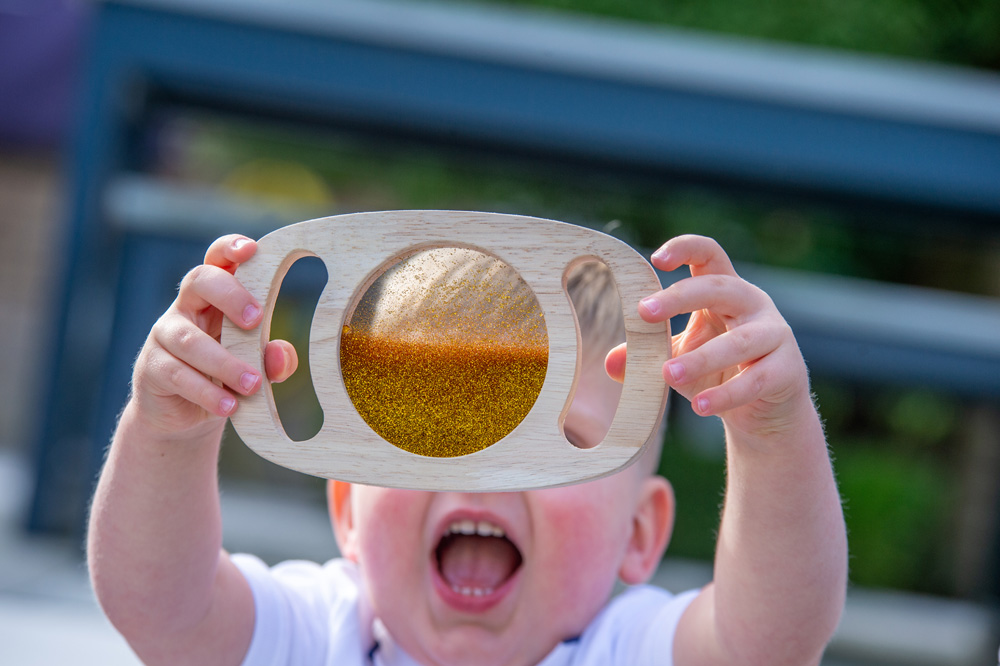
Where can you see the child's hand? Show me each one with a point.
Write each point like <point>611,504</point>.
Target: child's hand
<point>183,377</point>
<point>737,357</point>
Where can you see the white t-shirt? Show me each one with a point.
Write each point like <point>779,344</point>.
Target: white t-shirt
<point>308,613</point>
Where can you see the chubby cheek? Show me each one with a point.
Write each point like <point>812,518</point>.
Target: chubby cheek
<point>389,548</point>
<point>580,549</point>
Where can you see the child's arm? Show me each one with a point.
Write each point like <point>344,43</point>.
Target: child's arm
<point>154,543</point>
<point>781,558</point>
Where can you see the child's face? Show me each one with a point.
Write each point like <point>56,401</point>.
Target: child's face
<point>448,597</point>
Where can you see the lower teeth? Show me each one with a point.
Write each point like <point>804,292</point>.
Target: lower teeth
<point>472,591</point>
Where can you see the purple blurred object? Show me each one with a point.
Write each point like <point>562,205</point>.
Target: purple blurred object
<point>41,53</point>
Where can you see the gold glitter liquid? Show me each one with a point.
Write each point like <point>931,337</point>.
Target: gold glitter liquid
<point>440,398</point>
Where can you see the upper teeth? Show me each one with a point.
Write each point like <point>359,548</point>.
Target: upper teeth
<point>482,528</point>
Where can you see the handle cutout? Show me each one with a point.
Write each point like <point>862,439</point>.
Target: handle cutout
<point>445,353</point>
<point>295,399</point>
<point>595,300</point>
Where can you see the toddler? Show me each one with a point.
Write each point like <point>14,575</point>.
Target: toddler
<point>489,578</point>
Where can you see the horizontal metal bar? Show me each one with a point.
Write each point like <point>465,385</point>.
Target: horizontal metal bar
<point>670,104</point>
<point>842,81</point>
<point>847,327</point>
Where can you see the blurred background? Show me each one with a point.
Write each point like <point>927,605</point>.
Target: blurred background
<point>846,155</point>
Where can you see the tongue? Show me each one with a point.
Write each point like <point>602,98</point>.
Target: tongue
<point>477,562</point>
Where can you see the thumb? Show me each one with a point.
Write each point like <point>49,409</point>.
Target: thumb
<point>614,363</point>
<point>280,360</point>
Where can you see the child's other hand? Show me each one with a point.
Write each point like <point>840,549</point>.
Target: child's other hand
<point>737,358</point>
<point>183,377</point>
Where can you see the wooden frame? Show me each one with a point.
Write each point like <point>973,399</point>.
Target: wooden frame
<point>356,248</point>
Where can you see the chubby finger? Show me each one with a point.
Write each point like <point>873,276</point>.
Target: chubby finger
<point>766,379</point>
<point>704,255</point>
<point>280,360</point>
<point>197,349</point>
<point>724,295</point>
<point>230,251</point>
<point>208,286</point>
<point>614,363</point>
<point>734,348</point>
<point>171,376</point>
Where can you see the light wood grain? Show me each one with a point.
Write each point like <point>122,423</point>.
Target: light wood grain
<point>356,248</point>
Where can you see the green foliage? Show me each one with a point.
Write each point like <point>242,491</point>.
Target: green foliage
<point>921,417</point>
<point>699,485</point>
<point>891,453</point>
<point>896,507</point>
<point>953,31</point>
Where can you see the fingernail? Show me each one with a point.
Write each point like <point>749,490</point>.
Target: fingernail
<point>660,255</point>
<point>227,405</point>
<point>248,380</point>
<point>240,243</point>
<point>651,305</point>
<point>676,370</point>
<point>702,405</point>
<point>250,313</point>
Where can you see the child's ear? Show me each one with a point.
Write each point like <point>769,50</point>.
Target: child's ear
<point>652,525</point>
<point>338,499</point>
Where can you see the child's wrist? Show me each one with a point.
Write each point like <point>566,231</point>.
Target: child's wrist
<point>774,428</point>
<point>145,427</point>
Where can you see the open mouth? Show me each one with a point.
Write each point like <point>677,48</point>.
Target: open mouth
<point>475,558</point>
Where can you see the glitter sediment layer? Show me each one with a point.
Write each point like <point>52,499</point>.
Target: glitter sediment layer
<point>444,397</point>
